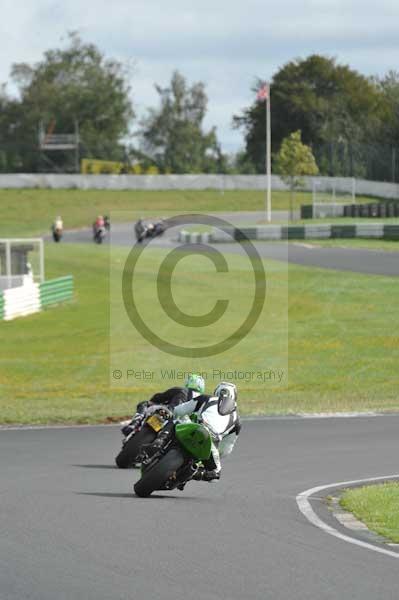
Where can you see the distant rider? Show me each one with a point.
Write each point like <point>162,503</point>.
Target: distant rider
<point>140,230</point>
<point>99,222</point>
<point>194,386</point>
<point>58,225</point>
<point>98,226</point>
<point>148,230</point>
<point>57,228</point>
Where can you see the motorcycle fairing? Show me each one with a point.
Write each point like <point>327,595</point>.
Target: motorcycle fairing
<point>195,439</point>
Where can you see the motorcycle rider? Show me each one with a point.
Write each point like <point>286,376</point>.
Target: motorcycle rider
<point>98,225</point>
<point>140,230</point>
<point>194,386</point>
<point>148,230</point>
<point>57,226</point>
<point>220,415</point>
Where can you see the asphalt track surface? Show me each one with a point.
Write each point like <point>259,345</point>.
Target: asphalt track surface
<point>359,260</point>
<point>71,527</point>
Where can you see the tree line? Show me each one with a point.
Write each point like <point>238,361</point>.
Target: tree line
<point>350,122</point>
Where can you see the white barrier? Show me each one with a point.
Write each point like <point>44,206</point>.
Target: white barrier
<point>191,182</point>
<point>334,210</point>
<point>317,231</point>
<point>294,232</point>
<point>219,235</point>
<point>32,297</point>
<point>271,232</point>
<point>370,230</point>
<point>21,301</point>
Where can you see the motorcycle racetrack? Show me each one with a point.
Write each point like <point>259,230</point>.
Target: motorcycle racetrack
<point>72,527</point>
<point>359,260</point>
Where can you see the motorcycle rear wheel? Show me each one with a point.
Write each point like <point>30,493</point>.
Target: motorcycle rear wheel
<point>129,453</point>
<point>155,478</point>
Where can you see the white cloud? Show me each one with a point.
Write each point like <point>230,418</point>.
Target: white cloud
<point>225,44</point>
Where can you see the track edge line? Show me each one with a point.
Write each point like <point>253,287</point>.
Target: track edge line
<point>303,503</point>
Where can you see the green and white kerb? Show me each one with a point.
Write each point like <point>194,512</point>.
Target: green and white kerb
<point>33,297</point>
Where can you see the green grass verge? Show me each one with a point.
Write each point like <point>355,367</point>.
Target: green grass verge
<point>343,347</point>
<point>345,221</point>
<point>377,506</point>
<point>30,212</point>
<point>370,244</point>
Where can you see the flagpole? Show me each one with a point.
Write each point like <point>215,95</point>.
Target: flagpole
<point>268,159</point>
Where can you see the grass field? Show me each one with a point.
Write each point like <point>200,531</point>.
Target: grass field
<point>347,221</point>
<point>30,212</point>
<point>377,506</point>
<point>387,245</point>
<point>343,348</point>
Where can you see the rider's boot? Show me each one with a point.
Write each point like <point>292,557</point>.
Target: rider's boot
<point>204,475</point>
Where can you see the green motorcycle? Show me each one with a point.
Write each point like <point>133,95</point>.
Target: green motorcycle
<point>177,461</point>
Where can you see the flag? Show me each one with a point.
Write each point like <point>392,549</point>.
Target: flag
<point>263,92</point>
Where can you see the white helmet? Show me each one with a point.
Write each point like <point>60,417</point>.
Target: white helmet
<point>227,394</point>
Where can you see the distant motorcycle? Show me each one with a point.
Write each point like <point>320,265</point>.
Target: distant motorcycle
<point>142,430</point>
<point>57,234</point>
<point>99,235</point>
<point>107,223</point>
<point>181,456</point>
<point>149,230</point>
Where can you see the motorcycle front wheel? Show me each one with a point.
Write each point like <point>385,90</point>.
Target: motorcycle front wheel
<point>157,476</point>
<point>130,450</point>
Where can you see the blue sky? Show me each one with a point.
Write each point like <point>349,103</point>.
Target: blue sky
<point>226,44</point>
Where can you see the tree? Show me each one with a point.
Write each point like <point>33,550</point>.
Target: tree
<point>172,134</point>
<point>295,160</point>
<point>389,86</point>
<point>13,147</point>
<point>73,85</point>
<point>241,164</point>
<point>389,130</point>
<point>327,102</point>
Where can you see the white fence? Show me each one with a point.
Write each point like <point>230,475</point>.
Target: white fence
<point>21,301</point>
<point>191,182</point>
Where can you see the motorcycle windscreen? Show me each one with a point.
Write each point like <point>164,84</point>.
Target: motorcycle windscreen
<point>195,439</point>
